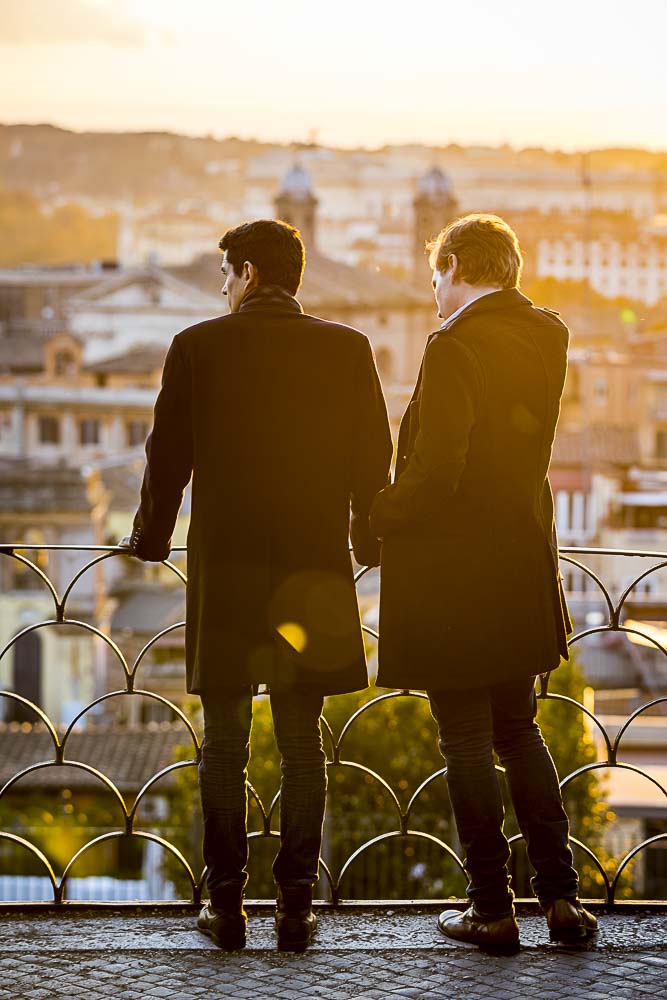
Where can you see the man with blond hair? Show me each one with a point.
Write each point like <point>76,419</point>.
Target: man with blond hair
<point>471,605</point>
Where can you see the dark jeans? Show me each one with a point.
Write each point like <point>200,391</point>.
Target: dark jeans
<point>472,724</point>
<point>222,783</point>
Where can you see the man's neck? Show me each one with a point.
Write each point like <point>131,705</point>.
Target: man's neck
<point>474,292</point>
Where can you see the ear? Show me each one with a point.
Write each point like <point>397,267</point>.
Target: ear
<point>250,274</point>
<point>453,264</point>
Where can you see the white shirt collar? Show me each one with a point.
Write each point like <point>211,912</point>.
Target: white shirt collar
<point>458,312</point>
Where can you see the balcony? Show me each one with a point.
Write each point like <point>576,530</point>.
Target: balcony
<point>99,807</point>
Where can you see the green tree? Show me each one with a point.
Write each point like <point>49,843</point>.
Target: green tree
<point>395,740</point>
<point>568,734</point>
<point>69,233</point>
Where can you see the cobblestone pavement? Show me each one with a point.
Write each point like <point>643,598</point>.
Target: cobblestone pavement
<point>362,954</point>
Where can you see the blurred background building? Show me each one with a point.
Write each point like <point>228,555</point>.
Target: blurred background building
<point>117,263</point>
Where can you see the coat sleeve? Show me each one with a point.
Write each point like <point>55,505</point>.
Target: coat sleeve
<point>371,457</point>
<point>169,456</point>
<point>449,401</point>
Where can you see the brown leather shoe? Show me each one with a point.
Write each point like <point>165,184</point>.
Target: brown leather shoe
<point>226,927</point>
<point>295,920</point>
<point>568,921</point>
<point>496,934</point>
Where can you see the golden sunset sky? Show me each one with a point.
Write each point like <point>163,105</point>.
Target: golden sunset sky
<point>572,74</point>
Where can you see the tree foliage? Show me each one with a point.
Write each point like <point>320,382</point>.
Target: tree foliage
<point>393,742</point>
<point>31,235</point>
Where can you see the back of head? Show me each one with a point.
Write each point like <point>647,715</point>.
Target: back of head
<point>486,248</point>
<point>275,248</point>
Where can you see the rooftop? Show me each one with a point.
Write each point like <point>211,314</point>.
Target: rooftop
<point>26,487</point>
<point>596,445</point>
<point>128,755</point>
<point>20,355</point>
<point>143,359</point>
<point>327,284</point>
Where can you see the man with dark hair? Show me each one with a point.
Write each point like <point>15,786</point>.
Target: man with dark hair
<point>275,248</point>
<point>471,606</point>
<point>280,419</point>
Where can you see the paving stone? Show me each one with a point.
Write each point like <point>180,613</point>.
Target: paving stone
<point>369,955</point>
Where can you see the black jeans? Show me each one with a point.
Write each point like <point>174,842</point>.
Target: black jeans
<point>472,724</point>
<point>222,783</point>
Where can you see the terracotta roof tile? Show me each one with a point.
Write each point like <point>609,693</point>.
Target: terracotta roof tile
<point>327,284</point>
<point>129,756</point>
<point>596,446</point>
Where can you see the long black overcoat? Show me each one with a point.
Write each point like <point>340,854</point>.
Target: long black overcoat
<point>281,421</point>
<point>470,591</point>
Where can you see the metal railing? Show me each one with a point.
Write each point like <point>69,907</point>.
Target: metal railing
<point>406,825</point>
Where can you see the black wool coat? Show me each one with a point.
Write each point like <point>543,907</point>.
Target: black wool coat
<point>281,421</point>
<point>470,590</point>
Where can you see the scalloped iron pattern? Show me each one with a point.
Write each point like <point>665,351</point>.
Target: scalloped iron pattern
<point>403,828</point>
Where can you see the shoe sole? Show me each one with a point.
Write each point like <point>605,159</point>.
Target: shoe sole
<point>489,949</point>
<point>293,945</point>
<point>233,944</point>
<point>287,943</point>
<point>573,935</point>
<point>492,949</point>
<point>511,948</point>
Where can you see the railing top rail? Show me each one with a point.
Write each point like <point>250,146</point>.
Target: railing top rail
<point>10,546</point>
<point>563,549</point>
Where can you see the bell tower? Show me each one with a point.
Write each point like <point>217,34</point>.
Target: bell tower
<point>434,206</point>
<point>295,203</point>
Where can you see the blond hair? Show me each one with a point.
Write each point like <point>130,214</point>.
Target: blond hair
<point>486,248</point>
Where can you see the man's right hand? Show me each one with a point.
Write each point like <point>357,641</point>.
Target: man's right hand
<point>365,547</point>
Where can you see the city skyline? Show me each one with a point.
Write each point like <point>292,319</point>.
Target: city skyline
<point>369,75</point>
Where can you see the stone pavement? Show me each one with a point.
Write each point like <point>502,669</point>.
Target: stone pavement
<point>358,953</point>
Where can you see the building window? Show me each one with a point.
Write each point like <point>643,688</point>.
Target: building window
<point>48,430</point>
<point>64,363</point>
<point>89,432</point>
<point>137,432</point>
<point>6,426</point>
<point>27,677</point>
<point>600,390</point>
<point>661,444</point>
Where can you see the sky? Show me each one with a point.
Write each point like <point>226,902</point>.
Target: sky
<point>568,75</point>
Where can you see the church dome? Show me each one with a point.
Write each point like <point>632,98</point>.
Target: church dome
<point>297,183</point>
<point>435,184</point>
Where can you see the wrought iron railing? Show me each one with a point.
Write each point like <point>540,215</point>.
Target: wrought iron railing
<point>424,836</point>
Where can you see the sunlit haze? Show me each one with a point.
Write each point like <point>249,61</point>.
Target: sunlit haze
<point>569,75</point>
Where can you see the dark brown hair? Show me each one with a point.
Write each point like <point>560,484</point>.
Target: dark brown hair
<point>486,248</point>
<point>275,248</point>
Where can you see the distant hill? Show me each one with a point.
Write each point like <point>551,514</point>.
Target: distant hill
<point>105,165</point>
<point>52,162</point>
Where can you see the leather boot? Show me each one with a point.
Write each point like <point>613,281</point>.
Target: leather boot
<point>225,924</point>
<point>499,934</point>
<point>568,921</point>
<point>295,920</point>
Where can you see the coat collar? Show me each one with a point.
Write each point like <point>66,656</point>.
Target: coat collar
<point>506,298</point>
<point>270,298</point>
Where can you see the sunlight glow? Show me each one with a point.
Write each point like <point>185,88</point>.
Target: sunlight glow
<point>357,73</point>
